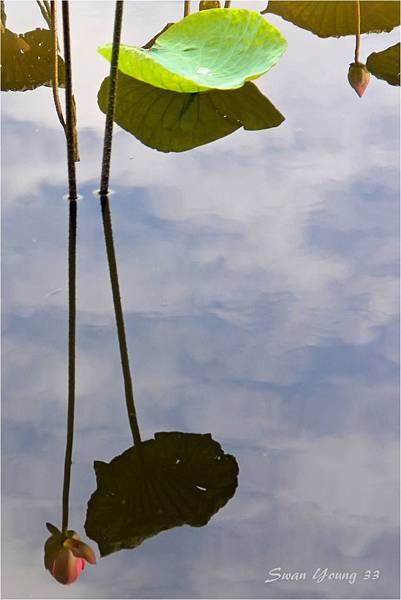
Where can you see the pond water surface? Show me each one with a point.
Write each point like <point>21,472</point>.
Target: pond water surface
<point>259,278</point>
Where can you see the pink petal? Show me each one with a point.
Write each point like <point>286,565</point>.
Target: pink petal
<point>66,568</point>
<point>83,563</point>
<point>360,88</point>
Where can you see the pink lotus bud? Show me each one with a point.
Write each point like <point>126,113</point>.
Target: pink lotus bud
<point>65,555</point>
<point>358,77</point>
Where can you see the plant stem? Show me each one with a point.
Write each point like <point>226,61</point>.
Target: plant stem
<point>45,12</point>
<point>358,31</point>
<point>72,242</point>
<point>56,97</point>
<point>187,7</point>
<point>72,196</point>
<point>69,104</point>
<point>108,133</point>
<point>227,4</point>
<point>122,340</point>
<point>3,17</point>
<point>70,112</point>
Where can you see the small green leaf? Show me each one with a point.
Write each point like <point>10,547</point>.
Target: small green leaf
<point>211,49</point>
<point>174,122</point>
<point>335,18</point>
<point>53,529</point>
<point>386,64</point>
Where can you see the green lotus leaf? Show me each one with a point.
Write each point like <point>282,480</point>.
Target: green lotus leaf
<point>335,18</point>
<point>211,49</point>
<point>173,122</point>
<point>26,60</point>
<point>172,480</point>
<point>386,64</point>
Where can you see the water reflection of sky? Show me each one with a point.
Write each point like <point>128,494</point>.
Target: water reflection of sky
<point>259,277</point>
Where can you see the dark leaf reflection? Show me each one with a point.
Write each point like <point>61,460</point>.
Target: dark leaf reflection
<point>171,480</point>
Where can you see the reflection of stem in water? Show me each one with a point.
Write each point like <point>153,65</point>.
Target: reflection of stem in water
<point>104,179</point>
<point>187,7</point>
<point>72,242</point>
<point>358,30</point>
<point>108,233</point>
<point>72,196</point>
<point>111,257</point>
<point>53,29</point>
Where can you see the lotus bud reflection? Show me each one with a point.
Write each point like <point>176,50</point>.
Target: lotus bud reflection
<point>66,555</point>
<point>358,77</point>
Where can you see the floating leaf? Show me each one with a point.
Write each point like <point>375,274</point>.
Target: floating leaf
<point>174,122</point>
<point>26,60</point>
<point>328,18</point>
<point>172,480</point>
<point>211,49</point>
<point>386,64</point>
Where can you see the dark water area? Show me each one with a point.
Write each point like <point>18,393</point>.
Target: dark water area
<point>259,278</point>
